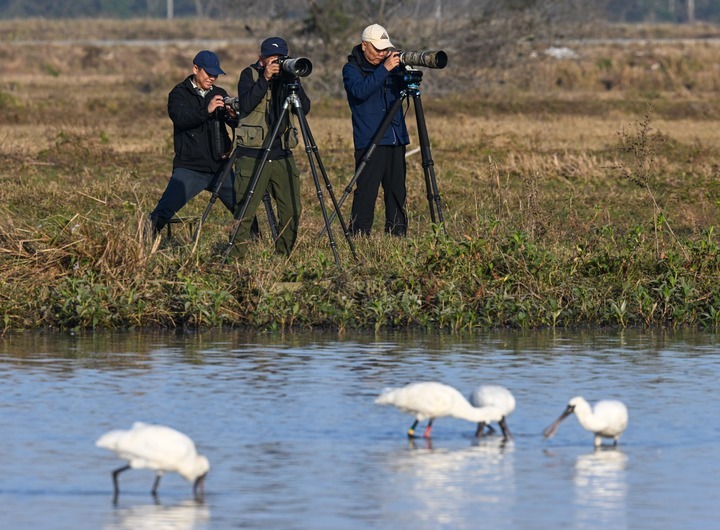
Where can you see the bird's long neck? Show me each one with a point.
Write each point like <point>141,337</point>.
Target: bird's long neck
<point>586,418</point>
<point>477,414</point>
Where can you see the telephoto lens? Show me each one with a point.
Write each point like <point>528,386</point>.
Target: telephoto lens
<point>298,67</point>
<point>428,59</point>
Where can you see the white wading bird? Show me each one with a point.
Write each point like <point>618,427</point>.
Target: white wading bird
<point>159,448</point>
<point>608,419</point>
<point>493,396</point>
<point>430,400</point>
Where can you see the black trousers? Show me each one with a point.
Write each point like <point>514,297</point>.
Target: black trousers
<point>386,166</point>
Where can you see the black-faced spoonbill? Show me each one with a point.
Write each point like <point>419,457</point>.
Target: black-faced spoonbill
<point>607,419</point>
<point>159,448</point>
<point>430,400</point>
<point>493,396</point>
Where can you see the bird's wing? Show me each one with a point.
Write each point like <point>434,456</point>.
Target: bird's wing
<point>494,396</point>
<point>430,399</point>
<point>615,414</point>
<point>152,446</point>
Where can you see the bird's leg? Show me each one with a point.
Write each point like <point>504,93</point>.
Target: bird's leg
<point>507,435</point>
<point>490,429</point>
<point>116,488</point>
<point>480,428</point>
<point>411,430</point>
<point>156,484</point>
<point>428,429</point>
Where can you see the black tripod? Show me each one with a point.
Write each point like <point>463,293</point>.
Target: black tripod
<point>311,149</point>
<point>272,221</point>
<point>411,80</point>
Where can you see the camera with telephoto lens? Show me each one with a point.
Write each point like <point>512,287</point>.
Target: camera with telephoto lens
<point>294,67</point>
<point>428,59</point>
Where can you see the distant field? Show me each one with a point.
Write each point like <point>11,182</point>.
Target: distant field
<point>589,162</point>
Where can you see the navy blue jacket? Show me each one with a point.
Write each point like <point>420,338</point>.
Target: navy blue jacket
<point>371,91</point>
<point>194,138</point>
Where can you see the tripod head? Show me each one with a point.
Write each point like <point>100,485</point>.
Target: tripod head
<point>410,80</point>
<point>292,86</point>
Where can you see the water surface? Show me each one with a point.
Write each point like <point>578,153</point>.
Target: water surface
<point>295,441</point>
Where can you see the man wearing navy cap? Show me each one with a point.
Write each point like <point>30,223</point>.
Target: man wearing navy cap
<point>262,92</point>
<point>202,143</point>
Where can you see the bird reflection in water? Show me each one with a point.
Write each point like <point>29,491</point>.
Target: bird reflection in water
<point>445,484</point>
<point>600,485</point>
<point>186,515</point>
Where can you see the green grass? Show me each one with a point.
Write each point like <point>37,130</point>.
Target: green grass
<point>564,207</point>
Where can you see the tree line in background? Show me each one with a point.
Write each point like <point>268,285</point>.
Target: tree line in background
<point>632,11</point>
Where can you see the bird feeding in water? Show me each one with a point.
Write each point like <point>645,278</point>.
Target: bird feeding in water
<point>607,419</point>
<point>159,448</point>
<point>430,400</point>
<point>493,396</point>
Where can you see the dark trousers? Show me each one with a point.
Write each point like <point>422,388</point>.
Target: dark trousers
<point>386,166</point>
<point>185,184</point>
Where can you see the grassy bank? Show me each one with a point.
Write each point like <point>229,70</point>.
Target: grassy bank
<point>576,192</point>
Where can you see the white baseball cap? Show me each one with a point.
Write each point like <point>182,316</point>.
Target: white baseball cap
<point>376,35</point>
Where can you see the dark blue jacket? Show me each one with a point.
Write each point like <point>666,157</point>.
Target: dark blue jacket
<point>371,92</point>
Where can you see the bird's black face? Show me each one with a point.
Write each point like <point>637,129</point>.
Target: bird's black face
<point>569,410</point>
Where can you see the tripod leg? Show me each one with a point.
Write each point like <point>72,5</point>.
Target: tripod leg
<point>216,192</point>
<point>427,162</point>
<point>305,130</point>
<point>329,188</point>
<point>272,220</point>
<point>240,213</point>
<point>367,154</point>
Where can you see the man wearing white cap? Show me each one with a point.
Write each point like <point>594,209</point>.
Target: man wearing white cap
<point>372,83</point>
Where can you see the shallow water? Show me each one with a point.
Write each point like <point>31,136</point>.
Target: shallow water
<point>295,441</point>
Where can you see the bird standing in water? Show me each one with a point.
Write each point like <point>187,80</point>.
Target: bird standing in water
<point>159,448</point>
<point>430,400</point>
<point>607,419</point>
<point>493,396</point>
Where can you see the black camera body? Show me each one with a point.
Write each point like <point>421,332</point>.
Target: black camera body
<point>233,103</point>
<point>294,67</point>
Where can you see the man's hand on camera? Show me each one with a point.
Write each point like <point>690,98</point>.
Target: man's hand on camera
<point>392,61</point>
<point>215,103</point>
<point>271,69</point>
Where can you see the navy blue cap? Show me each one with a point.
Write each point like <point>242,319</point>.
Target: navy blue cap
<point>273,46</point>
<point>209,62</point>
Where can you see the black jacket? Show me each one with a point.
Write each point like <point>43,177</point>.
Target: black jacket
<point>201,139</point>
<point>251,92</point>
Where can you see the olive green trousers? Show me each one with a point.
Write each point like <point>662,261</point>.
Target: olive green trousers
<point>281,179</point>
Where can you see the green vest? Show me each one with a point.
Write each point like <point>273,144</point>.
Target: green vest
<point>254,128</point>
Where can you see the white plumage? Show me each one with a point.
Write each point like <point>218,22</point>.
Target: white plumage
<point>494,396</point>
<point>430,400</point>
<point>607,419</point>
<point>159,448</point>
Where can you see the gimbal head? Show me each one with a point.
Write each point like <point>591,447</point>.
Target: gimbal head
<point>411,79</point>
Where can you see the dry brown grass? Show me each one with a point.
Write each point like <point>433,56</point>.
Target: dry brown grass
<point>86,149</point>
